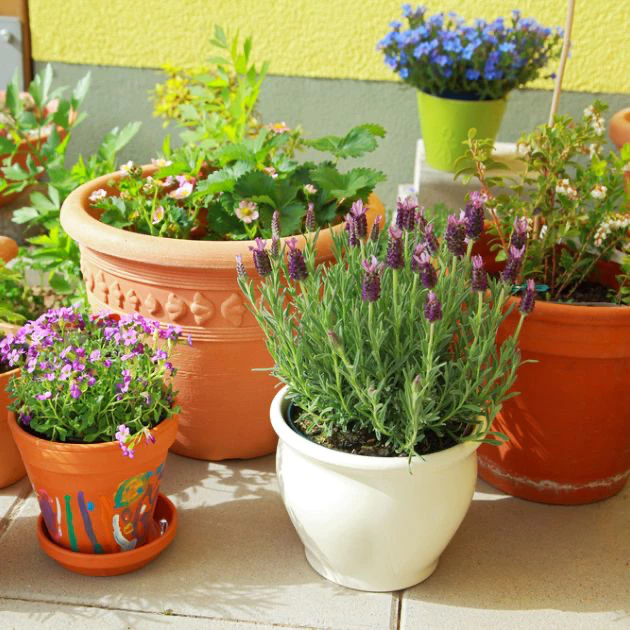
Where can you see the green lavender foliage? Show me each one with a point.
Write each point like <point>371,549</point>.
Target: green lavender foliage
<point>381,365</point>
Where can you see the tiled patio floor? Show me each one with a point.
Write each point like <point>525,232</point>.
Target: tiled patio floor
<point>237,564</point>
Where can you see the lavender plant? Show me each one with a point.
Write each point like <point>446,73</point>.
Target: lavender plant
<point>568,197</point>
<point>91,378</point>
<point>391,350</point>
<point>443,55</point>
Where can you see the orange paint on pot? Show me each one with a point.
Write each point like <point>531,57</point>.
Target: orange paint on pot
<point>569,430</point>
<point>11,466</point>
<point>224,402</point>
<point>90,494</point>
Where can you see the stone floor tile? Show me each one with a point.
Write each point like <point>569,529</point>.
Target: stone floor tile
<point>236,556</point>
<point>10,499</point>
<point>517,564</point>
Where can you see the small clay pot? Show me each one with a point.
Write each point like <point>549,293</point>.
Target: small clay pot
<point>93,499</point>
<point>619,128</point>
<point>8,249</point>
<point>11,466</point>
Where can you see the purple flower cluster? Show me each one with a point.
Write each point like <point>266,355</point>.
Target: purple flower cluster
<point>296,264</point>
<point>455,234</point>
<point>443,55</point>
<point>261,258</point>
<point>77,366</point>
<point>371,286</point>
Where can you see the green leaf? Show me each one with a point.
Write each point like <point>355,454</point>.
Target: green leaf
<point>81,89</point>
<point>356,143</point>
<point>25,215</point>
<point>262,188</point>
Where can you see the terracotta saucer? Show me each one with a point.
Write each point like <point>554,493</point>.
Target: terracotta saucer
<point>165,517</point>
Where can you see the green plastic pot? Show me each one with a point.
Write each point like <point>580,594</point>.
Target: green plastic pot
<point>445,123</point>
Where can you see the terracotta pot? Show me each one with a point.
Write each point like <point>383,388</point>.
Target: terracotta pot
<point>619,128</point>
<point>8,249</point>
<point>11,466</point>
<point>569,441</point>
<point>224,403</point>
<point>28,147</point>
<point>92,498</point>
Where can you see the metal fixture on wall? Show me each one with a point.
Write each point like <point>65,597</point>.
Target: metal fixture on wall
<point>15,42</point>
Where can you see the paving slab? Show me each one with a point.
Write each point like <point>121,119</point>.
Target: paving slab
<point>27,615</point>
<point>518,564</point>
<point>236,557</point>
<point>10,501</point>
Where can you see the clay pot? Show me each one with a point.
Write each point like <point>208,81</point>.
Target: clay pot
<point>569,441</point>
<point>11,466</point>
<point>224,403</point>
<point>8,249</point>
<point>619,128</point>
<point>27,147</point>
<point>92,498</point>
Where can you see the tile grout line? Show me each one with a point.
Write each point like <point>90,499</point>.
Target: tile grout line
<point>14,510</point>
<point>396,609</point>
<point>160,614</point>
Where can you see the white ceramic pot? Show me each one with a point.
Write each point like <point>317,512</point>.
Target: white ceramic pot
<point>372,523</point>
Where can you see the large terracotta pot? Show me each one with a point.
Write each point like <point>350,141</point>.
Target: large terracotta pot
<point>92,498</point>
<point>569,430</point>
<point>224,403</point>
<point>11,466</point>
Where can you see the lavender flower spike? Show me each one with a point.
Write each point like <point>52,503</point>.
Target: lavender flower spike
<point>431,240</point>
<point>474,221</point>
<point>456,234</point>
<point>528,300</point>
<point>275,224</point>
<point>371,287</point>
<point>519,233</point>
<point>359,212</point>
<point>309,222</point>
<point>418,250</point>
<point>297,264</point>
<point>395,259</point>
<point>351,229</point>
<point>261,258</point>
<point>513,264</point>
<point>432,308</point>
<point>376,228</point>
<point>406,213</point>
<point>241,272</point>
<point>479,276</point>
<point>428,275</point>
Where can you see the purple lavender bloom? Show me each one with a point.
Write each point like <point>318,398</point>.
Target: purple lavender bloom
<point>418,250</point>
<point>241,272</point>
<point>406,213</point>
<point>296,263</point>
<point>359,213</point>
<point>479,276</point>
<point>431,240</point>
<point>528,299</point>
<point>420,219</point>
<point>474,221</point>
<point>274,250</point>
<point>456,234</point>
<point>478,199</point>
<point>519,233</point>
<point>376,228</point>
<point>395,259</point>
<point>261,258</point>
<point>428,275</point>
<point>432,308</point>
<point>310,223</point>
<point>371,286</point>
<point>513,264</point>
<point>351,229</point>
<point>275,224</point>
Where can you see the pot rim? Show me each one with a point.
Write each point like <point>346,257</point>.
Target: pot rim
<point>575,314</point>
<point>92,233</point>
<point>464,100</point>
<point>320,453</point>
<point>166,426</point>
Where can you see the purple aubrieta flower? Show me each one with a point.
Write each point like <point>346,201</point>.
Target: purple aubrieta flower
<point>95,356</point>
<point>371,286</point>
<point>479,276</point>
<point>395,258</point>
<point>261,258</point>
<point>296,264</point>
<point>513,265</point>
<point>44,396</point>
<point>75,390</point>
<point>359,213</point>
<point>528,299</point>
<point>455,234</point>
<point>432,308</point>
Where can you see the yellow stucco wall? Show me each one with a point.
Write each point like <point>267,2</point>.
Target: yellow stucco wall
<point>312,38</point>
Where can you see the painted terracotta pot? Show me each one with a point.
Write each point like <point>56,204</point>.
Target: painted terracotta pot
<point>569,441</point>
<point>224,403</point>
<point>11,466</point>
<point>92,498</point>
<point>28,147</point>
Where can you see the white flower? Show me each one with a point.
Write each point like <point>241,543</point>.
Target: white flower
<point>309,189</point>
<point>614,223</point>
<point>247,211</point>
<point>97,195</point>
<point>161,162</point>
<point>564,187</point>
<point>271,171</point>
<point>182,192</point>
<point>543,232</point>
<point>593,150</point>
<point>599,191</point>
<point>158,215</point>
<point>125,169</point>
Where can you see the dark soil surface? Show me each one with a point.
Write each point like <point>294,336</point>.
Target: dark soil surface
<point>589,292</point>
<point>363,441</point>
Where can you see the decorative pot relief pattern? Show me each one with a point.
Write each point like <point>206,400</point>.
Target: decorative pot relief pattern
<point>153,306</point>
<point>116,297</point>
<point>175,307</point>
<point>202,309</point>
<point>233,310</point>
<point>133,300</point>
<point>101,287</point>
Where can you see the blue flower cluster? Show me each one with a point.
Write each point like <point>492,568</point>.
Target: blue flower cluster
<point>445,56</point>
